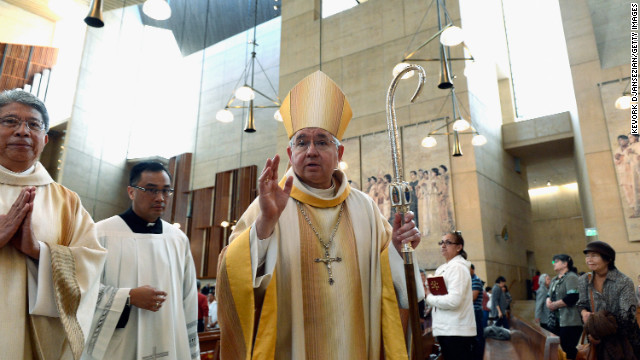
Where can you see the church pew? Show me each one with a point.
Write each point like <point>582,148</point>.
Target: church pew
<point>528,342</point>
<point>209,344</point>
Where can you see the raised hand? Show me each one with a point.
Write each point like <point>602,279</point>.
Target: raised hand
<point>273,199</point>
<point>407,233</point>
<point>10,222</point>
<point>147,297</point>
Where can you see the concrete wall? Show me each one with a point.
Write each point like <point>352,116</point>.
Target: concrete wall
<point>127,94</point>
<point>359,48</point>
<point>225,146</point>
<point>587,71</point>
<point>557,227</point>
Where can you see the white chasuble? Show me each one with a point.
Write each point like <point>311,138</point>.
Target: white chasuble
<point>285,279</point>
<point>162,261</point>
<point>47,305</point>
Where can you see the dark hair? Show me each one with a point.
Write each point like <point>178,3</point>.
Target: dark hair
<point>566,258</point>
<point>20,96</point>
<point>624,137</point>
<point>413,172</point>
<point>443,168</point>
<point>138,169</point>
<point>388,177</point>
<point>488,289</point>
<point>435,170</point>
<point>538,272</point>
<point>198,284</point>
<point>460,241</point>
<point>501,279</point>
<point>473,267</point>
<point>374,178</point>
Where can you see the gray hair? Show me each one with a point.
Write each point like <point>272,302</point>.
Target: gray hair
<point>542,281</point>
<point>20,96</point>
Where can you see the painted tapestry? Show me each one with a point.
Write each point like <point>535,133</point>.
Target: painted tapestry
<point>625,149</point>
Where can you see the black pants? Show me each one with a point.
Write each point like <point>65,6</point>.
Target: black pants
<point>200,325</point>
<point>569,337</point>
<point>479,348</point>
<point>457,347</point>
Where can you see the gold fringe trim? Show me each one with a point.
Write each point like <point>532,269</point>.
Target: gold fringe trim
<point>67,295</point>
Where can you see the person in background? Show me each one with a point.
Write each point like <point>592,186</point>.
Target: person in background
<point>453,317</point>
<point>486,306</point>
<point>638,291</point>
<point>499,303</point>
<point>476,292</point>
<point>509,298</point>
<point>564,316</point>
<point>203,308</point>
<point>535,284</point>
<point>148,303</point>
<point>613,293</point>
<point>542,311</point>
<point>213,310</point>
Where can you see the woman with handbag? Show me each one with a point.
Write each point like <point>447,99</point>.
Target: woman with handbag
<point>608,296</point>
<point>563,295</point>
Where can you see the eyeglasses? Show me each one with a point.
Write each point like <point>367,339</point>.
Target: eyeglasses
<point>447,242</point>
<point>155,192</point>
<point>13,123</point>
<point>320,145</point>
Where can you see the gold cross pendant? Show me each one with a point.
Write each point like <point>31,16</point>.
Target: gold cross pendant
<point>327,260</point>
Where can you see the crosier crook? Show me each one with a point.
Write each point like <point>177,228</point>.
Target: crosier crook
<point>400,197</point>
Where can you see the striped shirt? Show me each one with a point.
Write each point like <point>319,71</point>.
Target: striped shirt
<point>476,284</point>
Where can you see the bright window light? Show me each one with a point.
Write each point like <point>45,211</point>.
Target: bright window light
<point>540,70</point>
<point>332,7</point>
<point>543,191</point>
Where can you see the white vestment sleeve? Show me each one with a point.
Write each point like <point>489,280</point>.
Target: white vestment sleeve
<point>190,304</point>
<point>399,280</point>
<point>41,299</point>
<point>263,253</point>
<point>111,303</point>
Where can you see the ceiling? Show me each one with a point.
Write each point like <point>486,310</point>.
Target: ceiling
<point>198,24</point>
<point>41,7</point>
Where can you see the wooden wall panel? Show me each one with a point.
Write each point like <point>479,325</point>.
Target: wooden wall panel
<point>220,213</point>
<point>201,214</point>
<point>168,214</point>
<point>18,63</point>
<point>181,196</point>
<point>244,189</point>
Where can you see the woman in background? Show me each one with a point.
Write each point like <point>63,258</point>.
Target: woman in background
<point>454,323</point>
<point>614,323</point>
<point>563,295</point>
<point>542,311</point>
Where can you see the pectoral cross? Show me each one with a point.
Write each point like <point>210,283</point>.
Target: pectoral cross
<point>155,355</point>
<point>327,260</point>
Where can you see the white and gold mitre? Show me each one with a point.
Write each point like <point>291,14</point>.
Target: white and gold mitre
<point>316,101</point>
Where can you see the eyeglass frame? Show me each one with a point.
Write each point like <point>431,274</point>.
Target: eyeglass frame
<point>447,243</point>
<point>154,192</point>
<point>294,146</point>
<point>20,122</point>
